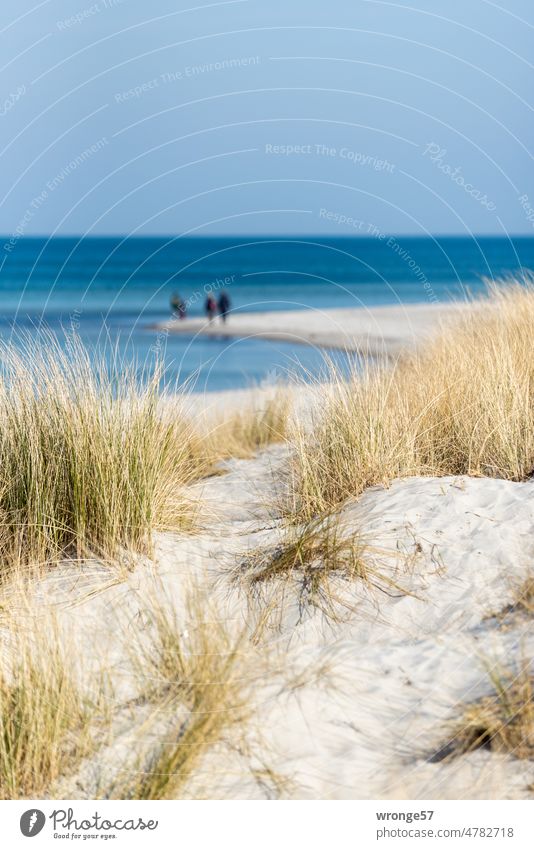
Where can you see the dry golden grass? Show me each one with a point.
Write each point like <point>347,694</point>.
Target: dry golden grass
<point>195,680</point>
<point>524,596</point>
<point>87,465</point>
<point>310,556</point>
<point>522,601</point>
<point>502,722</point>
<point>262,421</point>
<point>93,457</point>
<point>317,563</point>
<point>45,720</point>
<point>463,404</point>
<point>193,686</point>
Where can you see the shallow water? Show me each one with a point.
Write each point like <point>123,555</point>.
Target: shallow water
<point>114,289</point>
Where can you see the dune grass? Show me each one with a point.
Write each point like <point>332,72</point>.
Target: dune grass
<point>45,720</point>
<point>463,404</point>
<point>191,686</point>
<point>522,602</point>
<point>318,564</point>
<point>87,464</point>
<point>501,722</point>
<point>241,433</point>
<point>93,457</point>
<point>524,596</point>
<point>309,557</point>
<point>195,681</point>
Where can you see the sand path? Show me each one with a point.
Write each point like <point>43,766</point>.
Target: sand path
<point>355,709</point>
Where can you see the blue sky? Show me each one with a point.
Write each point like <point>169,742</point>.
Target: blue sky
<point>267,117</point>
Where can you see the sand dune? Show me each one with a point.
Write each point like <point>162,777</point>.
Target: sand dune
<point>376,693</point>
<point>330,682</point>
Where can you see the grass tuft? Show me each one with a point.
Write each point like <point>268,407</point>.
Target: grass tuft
<point>44,718</point>
<point>524,596</point>
<point>87,464</point>
<point>243,433</point>
<point>194,679</point>
<point>462,404</point>
<point>502,722</point>
<point>313,558</point>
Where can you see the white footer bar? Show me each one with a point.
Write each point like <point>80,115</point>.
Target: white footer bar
<point>270,825</point>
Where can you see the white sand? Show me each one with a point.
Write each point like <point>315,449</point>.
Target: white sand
<point>356,709</point>
<point>375,330</point>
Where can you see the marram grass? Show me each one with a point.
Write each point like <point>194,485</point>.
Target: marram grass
<point>261,421</point>
<point>87,464</point>
<point>45,720</point>
<point>196,677</point>
<point>501,722</point>
<point>462,404</point>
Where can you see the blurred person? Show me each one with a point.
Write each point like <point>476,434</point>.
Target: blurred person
<point>210,307</point>
<point>224,305</point>
<point>178,306</point>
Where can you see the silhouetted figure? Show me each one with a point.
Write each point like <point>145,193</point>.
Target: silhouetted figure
<point>224,305</point>
<point>178,306</point>
<point>211,307</point>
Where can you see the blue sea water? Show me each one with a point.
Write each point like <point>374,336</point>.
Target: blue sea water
<point>110,289</point>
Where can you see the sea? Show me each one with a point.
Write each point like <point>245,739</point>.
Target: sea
<point>113,291</point>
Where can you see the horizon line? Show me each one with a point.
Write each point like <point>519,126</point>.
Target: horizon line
<point>281,236</point>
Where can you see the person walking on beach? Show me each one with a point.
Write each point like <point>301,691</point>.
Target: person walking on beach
<point>178,306</point>
<point>224,305</point>
<point>210,307</point>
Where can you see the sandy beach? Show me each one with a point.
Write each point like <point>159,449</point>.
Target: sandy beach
<point>384,330</point>
<point>367,664</point>
<point>267,423</point>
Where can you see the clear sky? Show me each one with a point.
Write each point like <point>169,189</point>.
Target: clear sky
<point>267,116</point>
